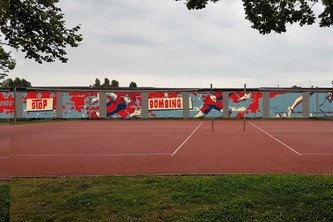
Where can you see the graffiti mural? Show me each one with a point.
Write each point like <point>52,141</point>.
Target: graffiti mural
<point>325,105</point>
<point>206,105</point>
<point>249,104</point>
<point>123,105</point>
<point>39,105</point>
<point>165,105</point>
<point>77,105</point>
<point>285,105</point>
<point>6,105</point>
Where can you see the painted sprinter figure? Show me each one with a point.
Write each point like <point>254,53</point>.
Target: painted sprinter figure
<point>210,102</point>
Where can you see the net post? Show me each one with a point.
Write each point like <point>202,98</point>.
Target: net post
<point>244,112</point>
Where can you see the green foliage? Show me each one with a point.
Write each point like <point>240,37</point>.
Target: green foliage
<point>174,198</point>
<point>114,84</point>
<point>17,82</point>
<point>106,84</point>
<point>6,63</point>
<point>274,15</point>
<point>132,85</point>
<point>4,201</point>
<point>97,83</point>
<point>197,4</point>
<point>37,28</point>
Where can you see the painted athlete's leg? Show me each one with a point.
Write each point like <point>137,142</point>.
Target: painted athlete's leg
<point>296,103</point>
<point>204,111</point>
<point>199,114</point>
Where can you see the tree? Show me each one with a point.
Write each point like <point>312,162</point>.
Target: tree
<point>114,84</point>
<point>106,83</point>
<point>274,15</point>
<point>6,63</point>
<point>132,85</point>
<point>17,82</point>
<point>295,87</point>
<point>37,28</point>
<point>97,83</point>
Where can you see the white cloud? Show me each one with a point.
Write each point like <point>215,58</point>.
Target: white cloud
<point>161,43</point>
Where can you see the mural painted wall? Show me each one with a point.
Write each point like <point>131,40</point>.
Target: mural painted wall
<point>39,105</point>
<point>123,105</point>
<point>249,104</point>
<point>285,105</point>
<point>76,105</point>
<point>165,105</point>
<point>6,105</point>
<point>325,104</point>
<point>206,105</point>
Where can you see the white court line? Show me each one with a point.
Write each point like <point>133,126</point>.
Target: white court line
<point>186,139</point>
<point>91,155</point>
<point>276,139</point>
<point>317,154</point>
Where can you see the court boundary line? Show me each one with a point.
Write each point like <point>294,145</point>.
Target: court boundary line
<point>181,145</point>
<point>317,154</point>
<point>285,145</point>
<point>91,155</point>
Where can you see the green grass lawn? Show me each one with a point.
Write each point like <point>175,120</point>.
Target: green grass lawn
<point>173,198</point>
<point>4,200</point>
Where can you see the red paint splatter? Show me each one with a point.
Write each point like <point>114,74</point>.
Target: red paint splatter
<point>156,95</point>
<point>254,107</point>
<point>93,115</point>
<point>239,115</point>
<point>152,114</point>
<point>7,103</point>
<point>236,96</point>
<point>77,101</point>
<point>272,95</point>
<point>162,95</point>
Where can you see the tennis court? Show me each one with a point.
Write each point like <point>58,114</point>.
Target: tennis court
<point>169,147</point>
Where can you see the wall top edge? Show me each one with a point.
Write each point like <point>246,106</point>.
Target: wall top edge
<point>151,89</point>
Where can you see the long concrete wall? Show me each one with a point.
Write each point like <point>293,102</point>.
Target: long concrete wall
<point>164,104</point>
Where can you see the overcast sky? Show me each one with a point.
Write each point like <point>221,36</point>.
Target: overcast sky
<point>159,43</point>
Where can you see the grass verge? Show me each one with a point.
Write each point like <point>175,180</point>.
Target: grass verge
<point>173,198</point>
<point>4,200</point>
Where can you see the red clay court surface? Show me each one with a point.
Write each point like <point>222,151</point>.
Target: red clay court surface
<point>166,147</point>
